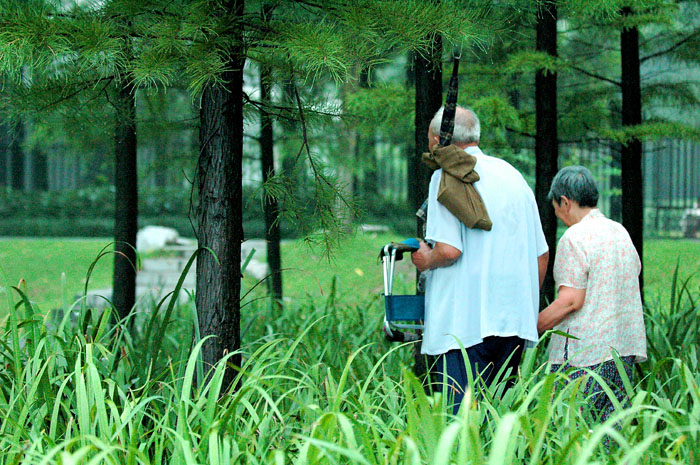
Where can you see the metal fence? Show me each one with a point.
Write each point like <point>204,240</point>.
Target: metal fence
<point>671,184</point>
<point>671,171</point>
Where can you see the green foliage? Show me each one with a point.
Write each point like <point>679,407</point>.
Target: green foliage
<point>387,107</point>
<point>531,61</point>
<point>58,227</point>
<point>652,131</point>
<point>89,202</point>
<point>318,385</point>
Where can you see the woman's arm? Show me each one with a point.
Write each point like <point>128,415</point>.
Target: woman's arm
<point>542,262</point>
<point>569,300</point>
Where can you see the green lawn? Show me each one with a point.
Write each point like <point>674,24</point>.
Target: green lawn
<point>355,266</point>
<point>661,257</point>
<point>41,263</point>
<point>359,271</point>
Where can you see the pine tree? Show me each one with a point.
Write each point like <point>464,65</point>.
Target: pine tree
<point>267,162</point>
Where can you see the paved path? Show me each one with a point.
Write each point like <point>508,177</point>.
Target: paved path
<point>159,276</point>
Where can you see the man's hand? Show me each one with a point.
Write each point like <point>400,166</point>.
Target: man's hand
<point>439,256</point>
<point>421,257</point>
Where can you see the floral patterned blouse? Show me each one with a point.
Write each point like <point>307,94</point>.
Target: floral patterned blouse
<point>597,254</point>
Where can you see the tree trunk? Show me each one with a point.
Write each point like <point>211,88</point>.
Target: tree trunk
<point>40,170</point>
<point>220,210</point>
<point>631,157</point>
<point>125,201</point>
<point>546,139</point>
<point>428,79</point>
<point>4,154</point>
<point>17,156</point>
<point>270,205</point>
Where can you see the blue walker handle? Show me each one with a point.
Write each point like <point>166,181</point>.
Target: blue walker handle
<point>412,243</point>
<point>407,245</point>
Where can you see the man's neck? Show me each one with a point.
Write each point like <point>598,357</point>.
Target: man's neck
<point>470,144</point>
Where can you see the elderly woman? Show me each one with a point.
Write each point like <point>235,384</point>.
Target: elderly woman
<point>596,270</point>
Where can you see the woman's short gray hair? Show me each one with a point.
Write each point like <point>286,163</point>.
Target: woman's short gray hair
<point>467,127</point>
<point>577,184</point>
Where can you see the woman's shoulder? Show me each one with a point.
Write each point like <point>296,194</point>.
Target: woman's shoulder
<point>585,232</point>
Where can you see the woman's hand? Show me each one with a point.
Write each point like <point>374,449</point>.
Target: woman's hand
<point>569,300</point>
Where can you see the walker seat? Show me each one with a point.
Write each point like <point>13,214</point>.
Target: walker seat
<point>400,311</point>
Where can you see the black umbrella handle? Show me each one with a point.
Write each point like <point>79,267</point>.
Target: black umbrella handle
<point>447,125</point>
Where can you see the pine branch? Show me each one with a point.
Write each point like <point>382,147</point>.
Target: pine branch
<point>671,48</point>
<point>595,76</point>
<point>282,111</point>
<point>79,90</point>
<point>594,47</point>
<point>520,133</point>
<point>305,146</point>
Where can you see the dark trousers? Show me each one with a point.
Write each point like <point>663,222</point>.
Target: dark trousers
<point>485,359</point>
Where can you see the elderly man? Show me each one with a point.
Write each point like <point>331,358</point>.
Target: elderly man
<point>482,290</point>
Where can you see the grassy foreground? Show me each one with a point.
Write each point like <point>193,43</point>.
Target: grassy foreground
<point>319,385</point>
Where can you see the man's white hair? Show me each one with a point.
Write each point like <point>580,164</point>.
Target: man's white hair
<point>467,127</point>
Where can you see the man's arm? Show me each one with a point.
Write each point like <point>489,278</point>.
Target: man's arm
<point>542,262</point>
<point>569,300</point>
<point>439,256</point>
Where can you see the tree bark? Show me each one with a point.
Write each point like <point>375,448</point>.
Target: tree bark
<point>428,80</point>
<point>546,139</point>
<point>631,156</point>
<point>125,200</point>
<point>270,205</point>
<point>220,210</point>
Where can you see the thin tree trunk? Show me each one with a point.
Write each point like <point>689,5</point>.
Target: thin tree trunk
<point>125,201</point>
<point>428,80</point>
<point>270,205</point>
<point>40,170</point>
<point>631,157</point>
<point>220,210</point>
<point>546,140</point>
<point>4,154</point>
<point>17,156</point>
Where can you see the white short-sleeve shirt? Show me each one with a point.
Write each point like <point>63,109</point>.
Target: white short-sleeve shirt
<point>493,288</point>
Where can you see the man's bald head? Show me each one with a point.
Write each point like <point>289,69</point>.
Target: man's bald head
<point>467,127</point>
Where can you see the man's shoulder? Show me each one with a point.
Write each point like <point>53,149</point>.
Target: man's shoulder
<point>501,165</point>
